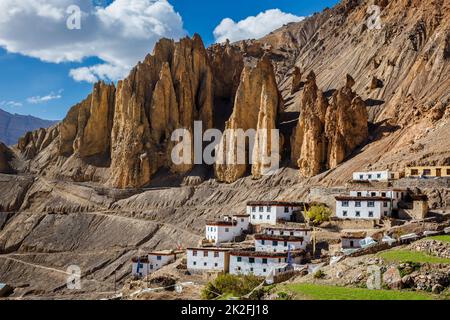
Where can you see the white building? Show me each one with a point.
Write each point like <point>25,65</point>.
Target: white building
<point>270,243</point>
<point>395,195</point>
<point>375,176</point>
<point>144,265</point>
<point>208,259</point>
<point>305,232</point>
<point>352,240</point>
<point>261,263</point>
<point>270,212</point>
<point>228,229</point>
<point>363,207</point>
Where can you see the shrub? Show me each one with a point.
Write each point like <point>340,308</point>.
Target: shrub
<point>228,284</point>
<point>318,214</point>
<point>319,274</point>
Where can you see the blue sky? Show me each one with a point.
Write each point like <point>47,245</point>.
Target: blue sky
<point>47,90</point>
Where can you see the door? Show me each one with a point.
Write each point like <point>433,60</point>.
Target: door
<point>351,244</point>
<point>438,172</point>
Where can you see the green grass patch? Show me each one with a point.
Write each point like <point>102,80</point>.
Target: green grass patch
<point>327,292</point>
<point>442,238</point>
<point>411,256</point>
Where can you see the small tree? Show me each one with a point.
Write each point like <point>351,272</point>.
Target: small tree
<point>318,214</point>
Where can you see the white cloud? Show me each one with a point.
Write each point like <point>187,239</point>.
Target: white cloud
<point>11,103</point>
<point>120,34</point>
<point>42,99</point>
<point>253,27</point>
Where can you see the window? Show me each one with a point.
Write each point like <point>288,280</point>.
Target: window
<point>260,217</point>
<point>292,233</point>
<point>378,175</point>
<point>370,214</point>
<point>345,203</point>
<point>264,270</point>
<point>385,204</point>
<point>269,208</point>
<point>264,261</point>
<point>357,203</point>
<point>414,172</point>
<point>194,253</point>
<point>253,217</point>
<point>239,259</point>
<point>385,213</point>
<point>227,230</point>
<point>151,266</point>
<point>216,264</point>
<point>361,176</point>
<point>216,254</point>
<point>253,209</point>
<point>427,172</point>
<point>369,176</point>
<point>371,204</point>
<point>251,260</point>
<point>373,194</point>
<point>344,213</point>
<point>261,209</point>
<point>195,263</point>
<point>448,172</point>
<point>239,268</point>
<point>141,265</point>
<point>251,269</point>
<point>358,214</point>
<point>268,217</point>
<point>205,253</point>
<point>285,243</point>
<point>274,243</point>
<point>158,258</point>
<point>358,194</point>
<point>286,209</point>
<point>205,264</point>
<point>242,219</point>
<point>383,194</point>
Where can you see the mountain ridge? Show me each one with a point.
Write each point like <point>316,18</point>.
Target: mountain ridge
<point>14,126</point>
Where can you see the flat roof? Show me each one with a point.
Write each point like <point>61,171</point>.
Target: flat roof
<point>241,215</point>
<point>264,254</point>
<point>378,190</point>
<point>143,259</point>
<point>349,198</point>
<point>221,223</point>
<point>289,228</point>
<point>263,236</point>
<point>276,203</point>
<point>210,249</point>
<point>165,252</point>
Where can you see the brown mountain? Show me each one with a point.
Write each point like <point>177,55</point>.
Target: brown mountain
<point>100,186</point>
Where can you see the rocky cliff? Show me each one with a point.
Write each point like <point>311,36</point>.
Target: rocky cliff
<point>6,156</point>
<point>255,108</point>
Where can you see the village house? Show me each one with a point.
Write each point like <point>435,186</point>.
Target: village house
<point>227,229</point>
<point>144,265</point>
<point>395,195</point>
<point>352,240</point>
<point>271,212</point>
<point>263,263</point>
<point>304,232</point>
<point>208,259</point>
<point>372,208</point>
<point>429,171</point>
<point>272,243</point>
<point>376,176</point>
